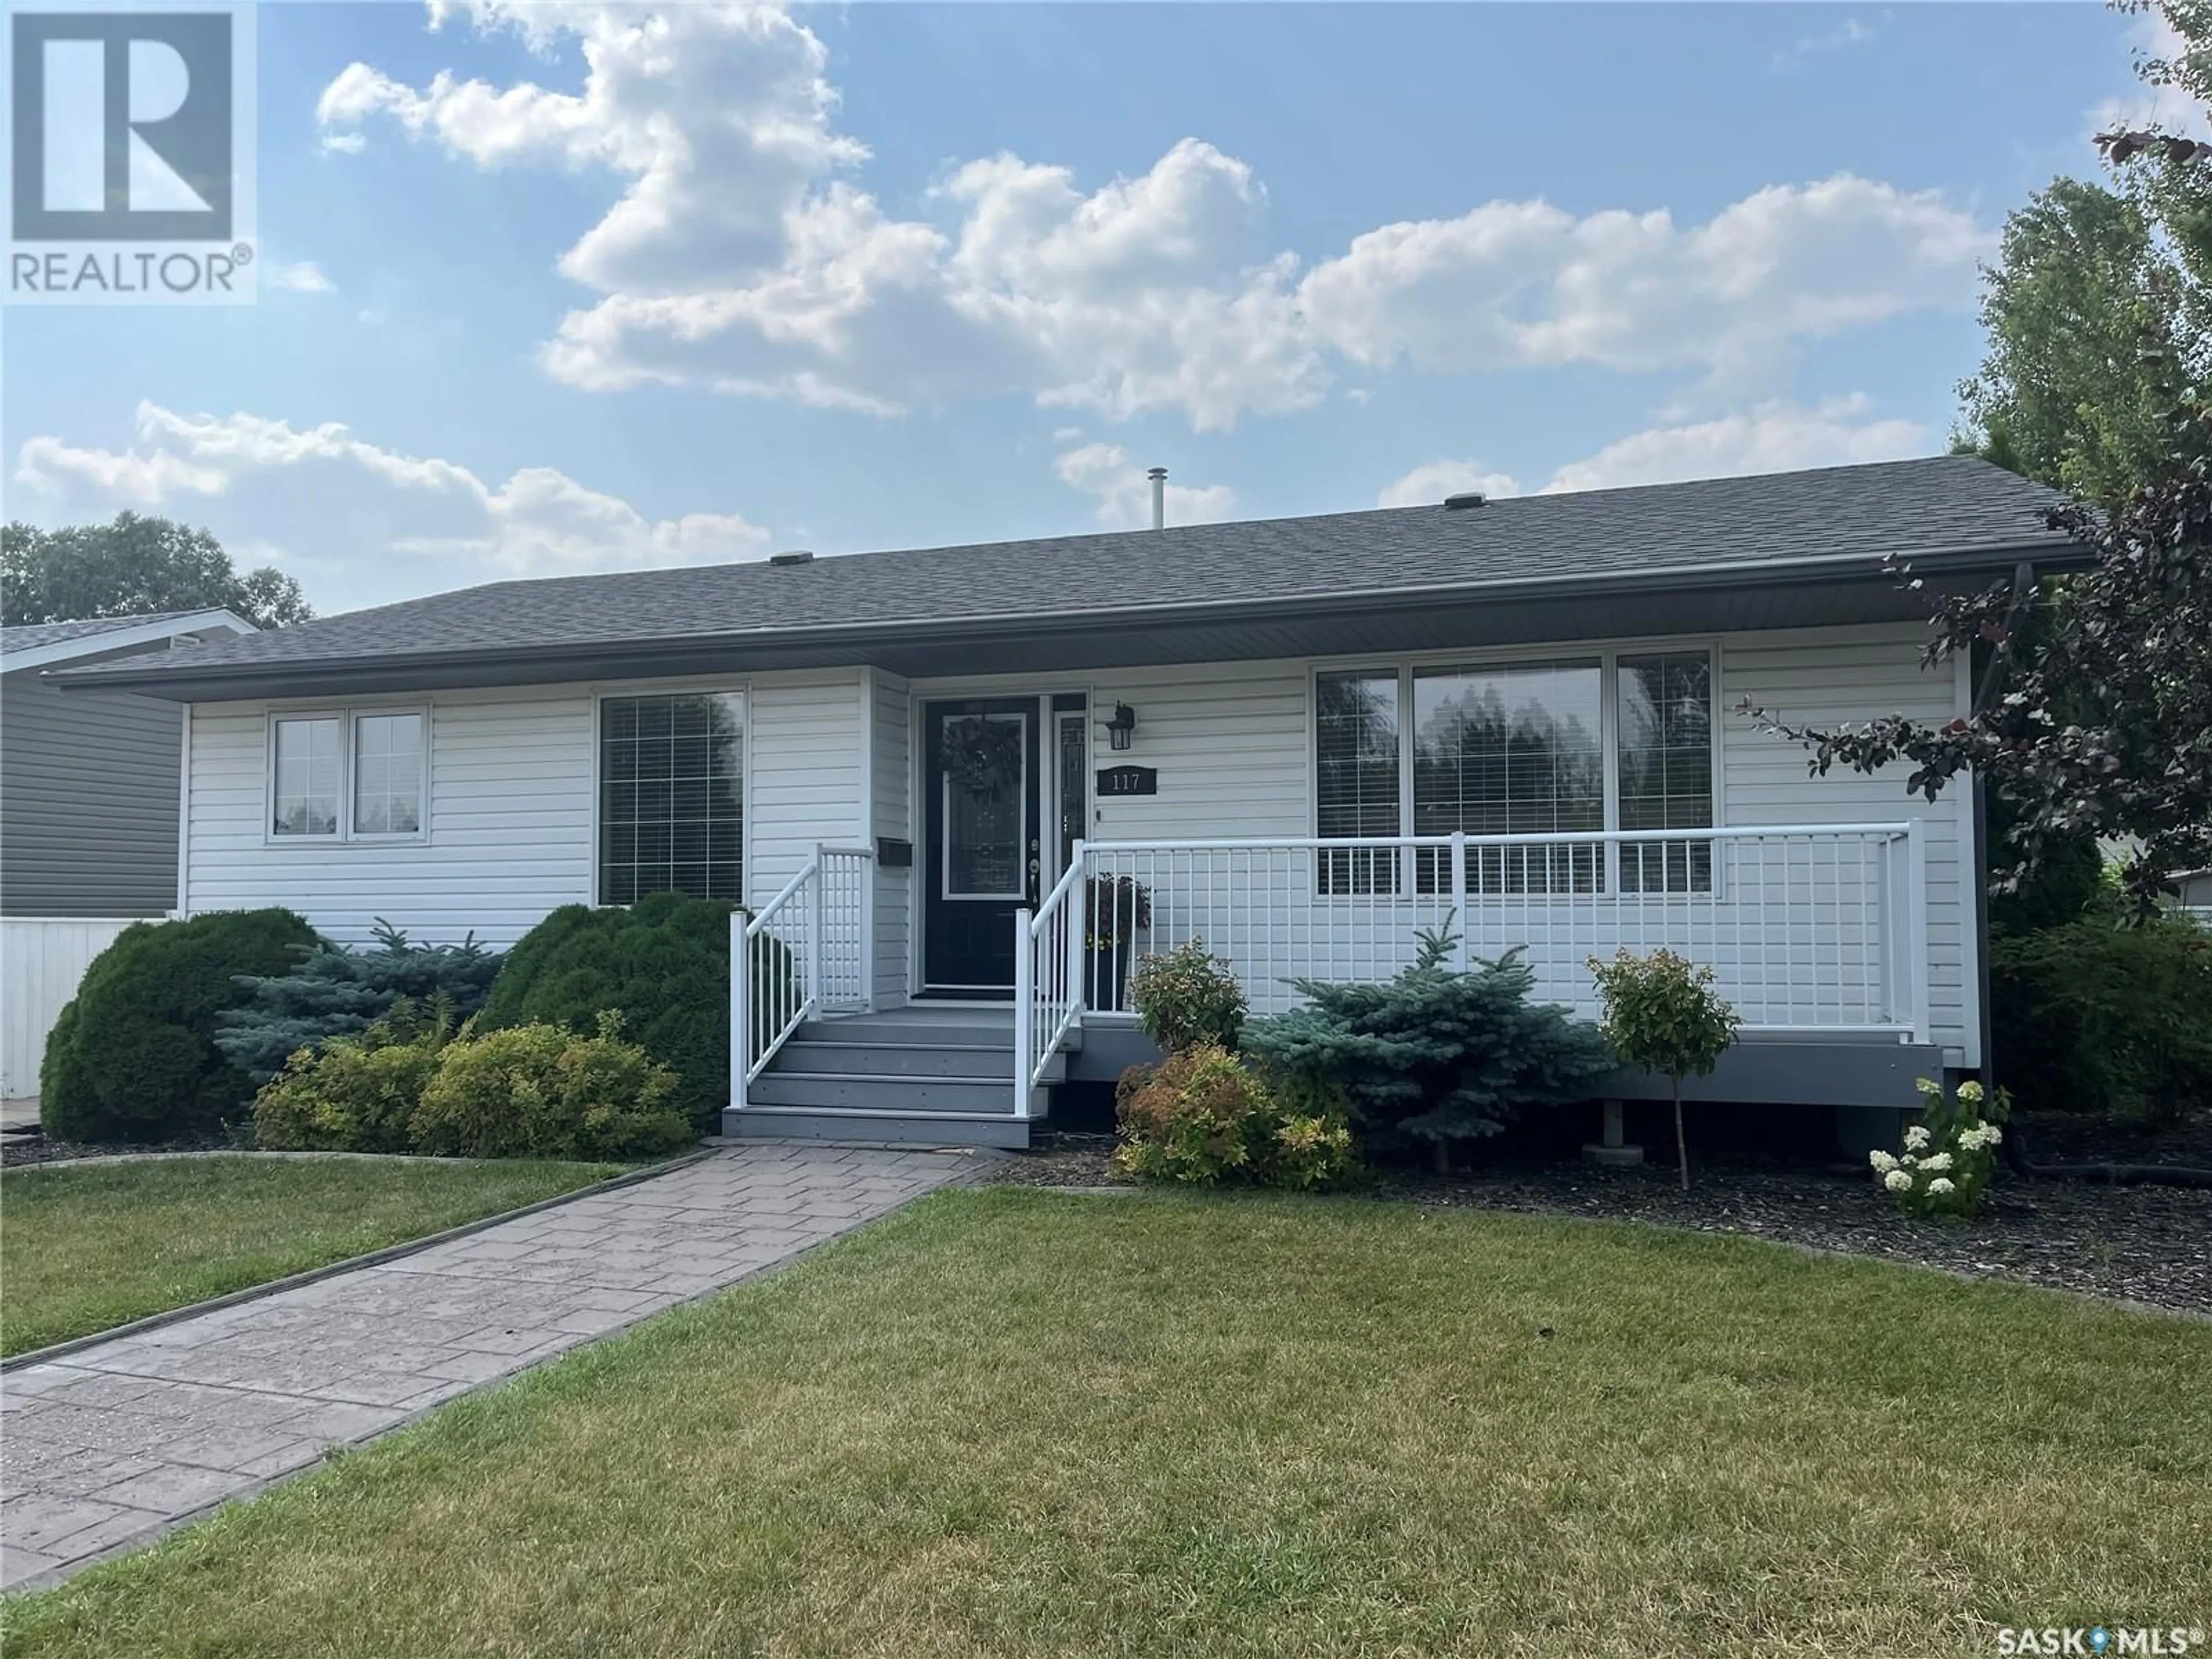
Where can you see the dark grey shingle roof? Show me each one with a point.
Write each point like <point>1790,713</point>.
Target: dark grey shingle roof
<point>1938,504</point>
<point>31,637</point>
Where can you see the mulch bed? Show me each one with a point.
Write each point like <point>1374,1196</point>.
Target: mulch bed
<point>36,1148</point>
<point>2141,1243</point>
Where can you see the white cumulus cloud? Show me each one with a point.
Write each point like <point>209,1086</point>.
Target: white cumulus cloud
<point>301,276</point>
<point>362,523</point>
<point>1772,437</point>
<point>741,250</point>
<point>1432,481</point>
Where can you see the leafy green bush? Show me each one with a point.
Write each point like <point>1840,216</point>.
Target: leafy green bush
<point>333,992</point>
<point>1201,1115</point>
<point>2097,1018</point>
<point>543,1091</point>
<point>1661,1014</point>
<point>132,1058</point>
<point>356,1094</point>
<point>664,963</point>
<point>1435,1054</point>
<point>1186,998</point>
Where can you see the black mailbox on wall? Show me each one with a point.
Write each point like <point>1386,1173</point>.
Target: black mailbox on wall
<point>894,853</point>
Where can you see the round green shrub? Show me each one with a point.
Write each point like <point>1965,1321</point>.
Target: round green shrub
<point>663,963</point>
<point>543,1091</point>
<point>132,1058</point>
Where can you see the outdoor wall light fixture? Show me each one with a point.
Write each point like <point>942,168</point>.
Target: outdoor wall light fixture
<point>1122,726</point>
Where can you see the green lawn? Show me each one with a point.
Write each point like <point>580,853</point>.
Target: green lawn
<point>86,1249</point>
<point>1019,1423</point>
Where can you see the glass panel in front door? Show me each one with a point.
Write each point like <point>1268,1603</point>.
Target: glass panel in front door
<point>985,854</point>
<point>1074,796</point>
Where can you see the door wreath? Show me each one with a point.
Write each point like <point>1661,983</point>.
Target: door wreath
<point>984,756</point>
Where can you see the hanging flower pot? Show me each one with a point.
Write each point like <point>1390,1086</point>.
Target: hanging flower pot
<point>1115,909</point>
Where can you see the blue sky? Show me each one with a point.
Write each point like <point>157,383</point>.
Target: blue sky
<point>580,287</point>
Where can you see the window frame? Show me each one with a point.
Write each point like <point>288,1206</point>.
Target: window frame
<point>1608,655</point>
<point>740,688</point>
<point>347,716</point>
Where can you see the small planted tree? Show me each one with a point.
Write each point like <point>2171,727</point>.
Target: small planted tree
<point>1187,997</point>
<point>1662,1014</point>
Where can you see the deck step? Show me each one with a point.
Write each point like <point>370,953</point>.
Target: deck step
<point>920,1128</point>
<point>976,1028</point>
<point>991,1063</point>
<point>877,1091</point>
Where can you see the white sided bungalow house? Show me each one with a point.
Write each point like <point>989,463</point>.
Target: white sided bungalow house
<point>962,785</point>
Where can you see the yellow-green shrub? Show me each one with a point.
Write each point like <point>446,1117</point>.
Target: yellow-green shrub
<point>356,1094</point>
<point>1201,1115</point>
<point>541,1091</point>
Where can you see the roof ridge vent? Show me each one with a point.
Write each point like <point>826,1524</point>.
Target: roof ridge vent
<point>797,556</point>
<point>1460,503</point>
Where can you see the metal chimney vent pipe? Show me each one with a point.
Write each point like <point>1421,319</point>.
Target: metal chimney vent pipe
<point>1159,475</point>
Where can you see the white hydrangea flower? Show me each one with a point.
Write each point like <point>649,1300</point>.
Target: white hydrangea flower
<point>1939,1186</point>
<point>1898,1182</point>
<point>1915,1138</point>
<point>1971,1092</point>
<point>1939,1161</point>
<point>1882,1162</point>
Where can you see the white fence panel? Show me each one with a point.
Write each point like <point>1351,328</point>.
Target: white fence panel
<point>42,959</point>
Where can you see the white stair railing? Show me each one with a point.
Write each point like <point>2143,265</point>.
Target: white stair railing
<point>807,949</point>
<point>1047,979</point>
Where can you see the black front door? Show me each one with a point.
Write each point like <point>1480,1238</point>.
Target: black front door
<point>979,774</point>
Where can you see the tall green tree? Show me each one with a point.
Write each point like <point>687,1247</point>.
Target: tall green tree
<point>2101,295</point>
<point>133,565</point>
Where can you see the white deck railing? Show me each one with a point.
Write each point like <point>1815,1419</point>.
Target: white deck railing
<point>807,950</point>
<point>1806,928</point>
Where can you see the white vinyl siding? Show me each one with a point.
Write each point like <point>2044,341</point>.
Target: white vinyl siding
<point>511,810</point>
<point>891,732</point>
<point>1833,675</point>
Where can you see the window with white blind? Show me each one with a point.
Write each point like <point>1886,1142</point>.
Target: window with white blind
<point>672,796</point>
<point>1512,750</point>
<point>1666,728</point>
<point>347,774</point>
<point>1535,749</point>
<point>1356,778</point>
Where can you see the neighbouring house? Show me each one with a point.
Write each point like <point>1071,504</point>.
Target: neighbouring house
<point>89,792</point>
<point>959,787</point>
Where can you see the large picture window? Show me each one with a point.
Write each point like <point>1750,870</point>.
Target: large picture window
<point>340,774</point>
<point>672,796</point>
<point>1512,750</point>
<point>1531,748</point>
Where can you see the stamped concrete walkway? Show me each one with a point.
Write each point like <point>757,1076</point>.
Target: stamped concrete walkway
<point>114,1445</point>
